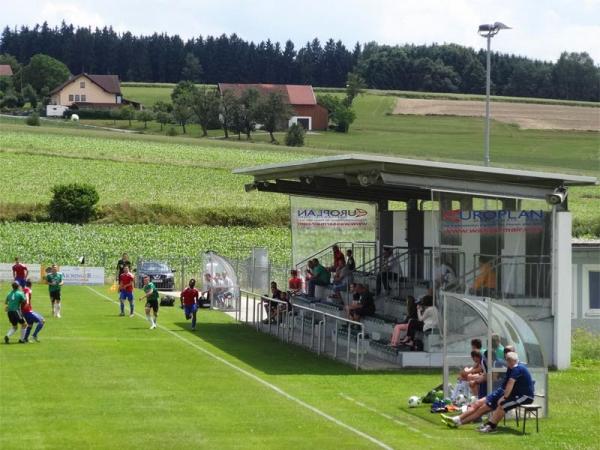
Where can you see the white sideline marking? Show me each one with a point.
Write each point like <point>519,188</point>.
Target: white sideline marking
<point>387,416</point>
<point>261,381</point>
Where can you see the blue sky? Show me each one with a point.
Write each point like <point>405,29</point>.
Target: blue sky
<point>541,29</point>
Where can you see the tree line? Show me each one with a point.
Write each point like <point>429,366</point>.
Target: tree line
<point>210,59</point>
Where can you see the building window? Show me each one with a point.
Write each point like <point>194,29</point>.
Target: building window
<point>76,97</point>
<point>83,98</point>
<point>82,84</point>
<point>70,97</point>
<point>591,290</point>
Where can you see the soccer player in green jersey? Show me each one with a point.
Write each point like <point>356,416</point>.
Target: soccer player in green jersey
<point>14,301</point>
<point>151,296</point>
<point>55,280</point>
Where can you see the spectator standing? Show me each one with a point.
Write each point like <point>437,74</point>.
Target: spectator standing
<point>485,282</point>
<point>338,258</point>
<point>350,261</point>
<point>387,272</point>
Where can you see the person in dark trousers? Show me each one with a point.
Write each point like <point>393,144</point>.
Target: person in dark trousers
<point>364,307</point>
<point>121,264</point>
<point>271,307</point>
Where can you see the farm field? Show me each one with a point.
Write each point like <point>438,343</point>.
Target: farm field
<point>97,380</point>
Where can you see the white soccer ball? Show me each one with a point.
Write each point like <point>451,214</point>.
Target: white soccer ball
<point>74,118</point>
<point>460,400</point>
<point>414,401</point>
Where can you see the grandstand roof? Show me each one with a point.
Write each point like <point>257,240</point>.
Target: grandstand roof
<point>374,177</point>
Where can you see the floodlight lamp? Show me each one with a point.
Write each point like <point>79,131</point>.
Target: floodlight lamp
<point>558,196</point>
<point>501,26</point>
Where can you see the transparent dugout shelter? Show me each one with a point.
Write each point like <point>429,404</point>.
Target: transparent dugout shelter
<point>499,254</point>
<point>220,280</point>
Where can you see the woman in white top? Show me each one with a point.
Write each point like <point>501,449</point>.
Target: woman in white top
<point>427,315</point>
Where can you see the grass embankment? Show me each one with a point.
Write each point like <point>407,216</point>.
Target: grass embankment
<point>102,381</point>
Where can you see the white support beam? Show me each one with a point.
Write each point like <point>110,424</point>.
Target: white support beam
<point>561,288</point>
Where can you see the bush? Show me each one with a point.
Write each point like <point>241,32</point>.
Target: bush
<point>33,120</point>
<point>295,136</point>
<point>73,203</point>
<point>171,131</point>
<point>89,113</point>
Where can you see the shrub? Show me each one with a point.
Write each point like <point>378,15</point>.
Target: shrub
<point>295,136</point>
<point>33,120</point>
<point>73,203</point>
<point>171,131</point>
<point>89,113</point>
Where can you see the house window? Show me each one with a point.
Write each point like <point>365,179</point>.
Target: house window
<point>83,98</point>
<point>70,97</point>
<point>76,97</point>
<point>591,290</point>
<point>82,84</point>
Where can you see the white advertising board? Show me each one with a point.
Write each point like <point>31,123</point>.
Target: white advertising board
<point>82,275</point>
<point>6,274</point>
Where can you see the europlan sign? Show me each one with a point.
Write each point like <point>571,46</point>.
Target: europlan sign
<point>458,221</point>
<point>313,217</point>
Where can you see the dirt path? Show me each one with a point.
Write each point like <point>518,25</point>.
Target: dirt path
<point>526,115</point>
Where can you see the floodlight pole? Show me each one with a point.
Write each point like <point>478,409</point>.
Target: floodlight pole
<point>488,32</point>
<point>486,151</point>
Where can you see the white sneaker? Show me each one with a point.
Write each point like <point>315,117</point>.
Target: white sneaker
<point>58,316</point>
<point>131,315</point>
<point>153,326</point>
<point>487,429</point>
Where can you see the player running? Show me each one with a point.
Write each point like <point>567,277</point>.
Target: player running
<point>189,301</point>
<point>151,296</point>
<point>20,272</point>
<point>31,316</point>
<point>14,300</point>
<point>55,280</point>
<point>126,285</point>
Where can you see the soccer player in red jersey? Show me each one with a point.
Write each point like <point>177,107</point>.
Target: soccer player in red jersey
<point>126,285</point>
<point>189,301</point>
<point>20,272</point>
<point>30,315</point>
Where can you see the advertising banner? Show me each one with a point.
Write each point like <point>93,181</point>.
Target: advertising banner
<point>6,273</point>
<point>318,223</point>
<point>78,275</point>
<point>458,221</point>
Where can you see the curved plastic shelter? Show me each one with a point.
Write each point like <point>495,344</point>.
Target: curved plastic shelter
<point>220,280</point>
<point>496,324</point>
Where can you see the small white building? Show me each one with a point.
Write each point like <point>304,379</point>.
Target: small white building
<point>55,110</point>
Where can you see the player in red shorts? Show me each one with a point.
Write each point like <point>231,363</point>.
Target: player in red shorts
<point>126,285</point>
<point>20,272</point>
<point>189,302</point>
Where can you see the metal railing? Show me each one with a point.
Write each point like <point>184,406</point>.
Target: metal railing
<point>297,324</point>
<point>362,251</point>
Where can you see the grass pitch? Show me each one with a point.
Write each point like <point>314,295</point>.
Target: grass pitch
<point>102,381</point>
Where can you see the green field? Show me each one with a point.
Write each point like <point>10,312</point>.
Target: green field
<point>101,381</point>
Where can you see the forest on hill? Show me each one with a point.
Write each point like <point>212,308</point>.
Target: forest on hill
<point>213,59</point>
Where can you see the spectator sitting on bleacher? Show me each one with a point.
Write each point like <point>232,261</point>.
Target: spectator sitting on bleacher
<point>321,277</point>
<point>350,260</point>
<point>475,346</point>
<point>294,283</point>
<point>445,275</point>
<point>485,283</point>
<point>271,307</point>
<point>340,281</point>
<point>427,319</point>
<point>308,274</point>
<point>365,305</point>
<point>338,258</point>
<point>411,314</point>
<point>497,352</point>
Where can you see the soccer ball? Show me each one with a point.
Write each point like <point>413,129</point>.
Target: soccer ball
<point>472,400</point>
<point>414,401</point>
<point>460,400</point>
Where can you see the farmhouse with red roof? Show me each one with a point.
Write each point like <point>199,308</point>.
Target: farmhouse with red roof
<point>307,112</point>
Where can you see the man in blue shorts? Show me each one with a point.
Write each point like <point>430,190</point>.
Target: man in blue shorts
<point>30,315</point>
<point>517,391</point>
<point>480,407</point>
<point>126,285</point>
<point>189,302</point>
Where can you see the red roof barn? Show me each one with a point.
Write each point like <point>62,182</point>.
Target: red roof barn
<point>307,112</point>
<point>5,70</point>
